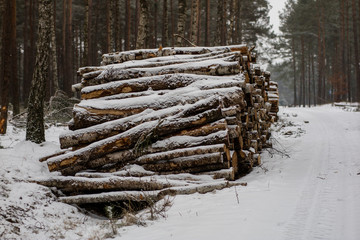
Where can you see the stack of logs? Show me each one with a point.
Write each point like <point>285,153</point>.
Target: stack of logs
<point>161,121</point>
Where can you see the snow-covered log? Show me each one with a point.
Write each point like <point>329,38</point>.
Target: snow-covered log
<point>83,184</point>
<point>173,111</point>
<point>214,67</point>
<point>121,57</point>
<point>128,139</point>
<point>92,112</point>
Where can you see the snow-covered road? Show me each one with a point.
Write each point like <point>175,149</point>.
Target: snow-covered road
<point>313,194</point>
<point>308,187</point>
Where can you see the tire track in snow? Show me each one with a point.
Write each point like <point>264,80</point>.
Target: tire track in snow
<point>319,209</point>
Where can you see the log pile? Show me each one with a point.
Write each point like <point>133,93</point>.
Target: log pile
<point>169,114</point>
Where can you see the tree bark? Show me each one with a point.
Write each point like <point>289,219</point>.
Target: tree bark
<point>6,67</point>
<point>294,69</point>
<point>14,87</point>
<point>82,184</point>
<point>216,67</point>
<point>117,160</point>
<point>35,120</point>
<point>136,196</point>
<point>356,50</point>
<point>195,10</point>
<point>128,25</point>
<point>87,114</point>
<point>184,152</point>
<point>92,134</point>
<point>302,82</point>
<point>143,29</point>
<point>184,163</point>
<point>207,24</point>
<point>181,21</point>
<point>53,49</point>
<point>134,137</point>
<point>165,26</point>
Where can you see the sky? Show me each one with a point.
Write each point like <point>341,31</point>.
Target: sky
<point>277,5</point>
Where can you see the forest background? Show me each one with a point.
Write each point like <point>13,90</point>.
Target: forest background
<point>314,57</point>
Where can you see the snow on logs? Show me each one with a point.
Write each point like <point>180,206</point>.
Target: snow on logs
<point>161,115</point>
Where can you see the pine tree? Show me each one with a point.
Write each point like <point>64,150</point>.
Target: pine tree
<point>8,60</point>
<point>35,131</point>
<point>143,35</point>
<point>181,22</point>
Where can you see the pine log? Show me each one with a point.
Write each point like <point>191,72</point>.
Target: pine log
<point>129,138</point>
<point>184,152</point>
<point>108,129</point>
<point>183,163</point>
<point>112,58</point>
<point>136,196</point>
<point>196,170</point>
<point>117,160</point>
<point>204,130</point>
<point>162,82</point>
<point>84,70</point>
<point>58,153</point>
<point>215,67</point>
<point>92,112</point>
<point>200,188</point>
<point>82,184</point>
<point>227,174</point>
<point>148,196</point>
<point>156,62</point>
<point>127,171</point>
<point>235,164</point>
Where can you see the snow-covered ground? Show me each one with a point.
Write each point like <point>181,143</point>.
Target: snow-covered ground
<point>308,187</point>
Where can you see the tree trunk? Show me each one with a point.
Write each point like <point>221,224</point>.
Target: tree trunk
<point>53,48</point>
<point>165,26</point>
<point>348,50</point>
<point>172,23</point>
<point>6,67</point>
<point>14,87</point>
<point>294,68</point>
<point>320,59</point>
<point>29,47</point>
<point>89,28</point>
<point>1,44</point>
<point>128,25</point>
<point>224,27</point>
<point>118,27</point>
<point>69,59</point>
<point>302,83</point>
<point>195,21</point>
<point>356,50</point>
<point>109,18</point>
<point>143,29</point>
<point>154,26</point>
<point>35,120</point>
<point>181,22</point>
<point>238,22</point>
<point>207,24</point>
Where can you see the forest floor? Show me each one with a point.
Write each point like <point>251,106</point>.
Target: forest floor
<point>308,187</point>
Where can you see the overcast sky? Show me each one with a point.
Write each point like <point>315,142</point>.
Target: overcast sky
<point>277,5</point>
